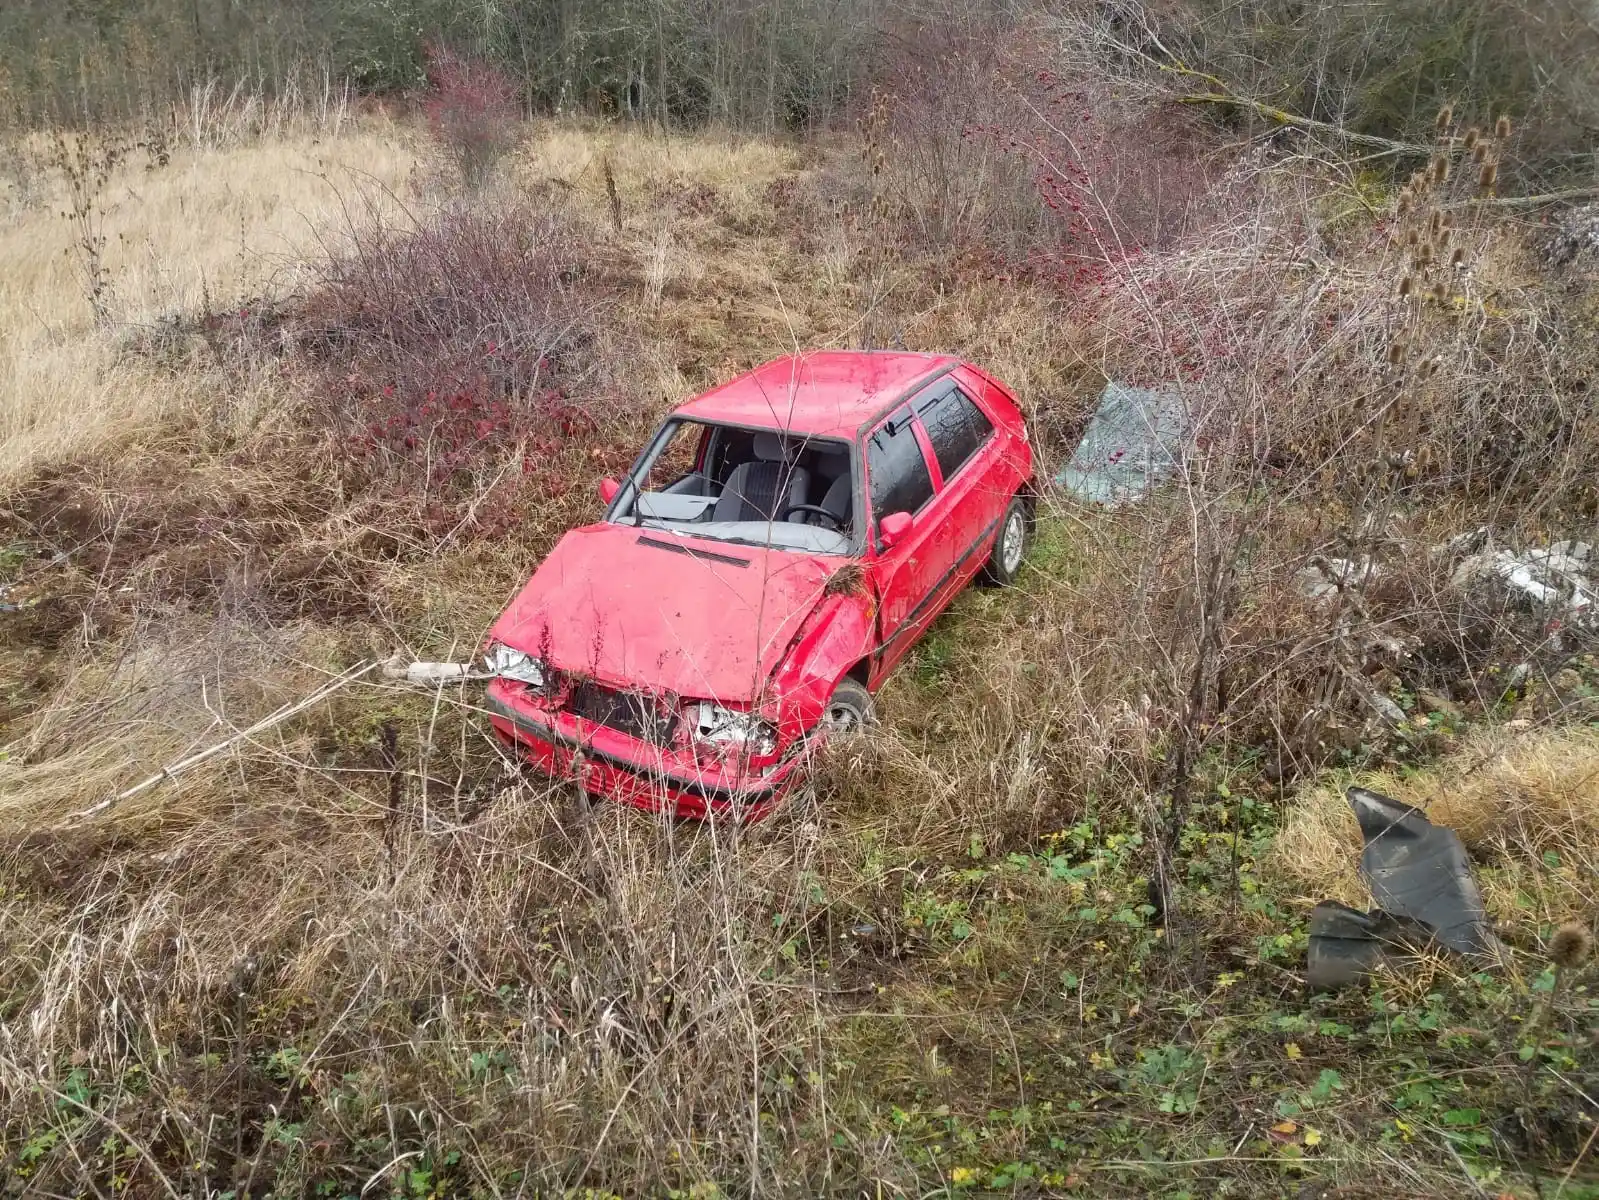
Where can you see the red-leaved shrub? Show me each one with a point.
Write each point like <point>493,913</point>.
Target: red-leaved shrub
<point>472,111</point>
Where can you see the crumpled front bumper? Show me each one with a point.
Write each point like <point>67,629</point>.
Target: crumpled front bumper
<point>609,763</point>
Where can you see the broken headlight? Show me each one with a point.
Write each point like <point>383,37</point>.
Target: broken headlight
<point>507,663</point>
<point>729,727</point>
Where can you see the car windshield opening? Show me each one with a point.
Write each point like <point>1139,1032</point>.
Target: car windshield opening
<point>754,487</point>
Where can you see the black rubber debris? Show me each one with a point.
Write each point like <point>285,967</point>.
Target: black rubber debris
<point>1426,896</point>
<point>1420,870</point>
<point>1346,943</point>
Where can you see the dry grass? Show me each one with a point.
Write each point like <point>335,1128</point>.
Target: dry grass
<point>214,229</point>
<point>650,168</point>
<point>176,684</point>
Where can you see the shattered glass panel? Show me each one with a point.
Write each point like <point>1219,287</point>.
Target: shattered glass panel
<point>1133,442</point>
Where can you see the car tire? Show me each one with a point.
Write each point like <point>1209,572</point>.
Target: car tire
<point>850,710</point>
<point>1010,544</point>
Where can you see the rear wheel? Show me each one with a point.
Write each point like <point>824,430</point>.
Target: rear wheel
<point>850,710</point>
<point>1010,544</point>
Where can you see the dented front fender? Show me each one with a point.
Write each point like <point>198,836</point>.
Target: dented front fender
<point>837,635</point>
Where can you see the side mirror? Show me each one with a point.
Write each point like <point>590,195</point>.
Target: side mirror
<point>608,489</point>
<point>894,527</point>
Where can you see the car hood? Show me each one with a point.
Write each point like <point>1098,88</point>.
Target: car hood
<point>649,610</point>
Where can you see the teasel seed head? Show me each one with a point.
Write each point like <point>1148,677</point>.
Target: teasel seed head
<point>1406,199</point>
<point>1572,943</point>
<point>1458,258</point>
<point>1442,238</point>
<point>1473,135</point>
<point>1440,168</point>
<point>1479,152</point>
<point>1439,293</point>
<point>1424,254</point>
<point>1488,177</point>
<point>1446,114</point>
<point>1411,237</point>
<point>1405,286</point>
<point>1502,126</point>
<point>1435,222</point>
<point>1396,351</point>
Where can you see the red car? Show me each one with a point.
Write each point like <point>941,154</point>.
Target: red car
<point>775,551</point>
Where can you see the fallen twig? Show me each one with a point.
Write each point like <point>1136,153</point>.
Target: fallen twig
<point>1561,197</point>
<point>1223,93</point>
<point>1283,117</point>
<point>265,723</point>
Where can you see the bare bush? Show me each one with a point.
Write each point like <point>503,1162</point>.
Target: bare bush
<point>980,146</point>
<point>87,164</point>
<point>212,116</point>
<point>452,356</point>
<point>1356,397</point>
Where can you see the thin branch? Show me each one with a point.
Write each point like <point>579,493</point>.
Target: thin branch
<point>193,760</point>
<point>1561,197</point>
<point>1222,93</point>
<point>1283,117</point>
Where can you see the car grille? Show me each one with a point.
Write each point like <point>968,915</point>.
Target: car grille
<point>632,713</point>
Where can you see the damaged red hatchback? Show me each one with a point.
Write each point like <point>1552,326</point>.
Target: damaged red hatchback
<point>775,551</point>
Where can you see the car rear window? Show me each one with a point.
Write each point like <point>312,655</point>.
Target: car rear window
<point>898,471</point>
<point>956,426</point>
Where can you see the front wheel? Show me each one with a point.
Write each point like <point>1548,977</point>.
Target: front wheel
<point>850,710</point>
<point>1010,545</point>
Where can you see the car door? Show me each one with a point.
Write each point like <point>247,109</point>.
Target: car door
<point>975,482</point>
<point>899,478</point>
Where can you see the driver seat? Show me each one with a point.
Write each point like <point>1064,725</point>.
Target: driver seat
<point>765,488</point>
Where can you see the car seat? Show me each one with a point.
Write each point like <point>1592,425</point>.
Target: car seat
<point>765,488</point>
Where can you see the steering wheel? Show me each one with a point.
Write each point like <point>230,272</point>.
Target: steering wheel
<point>832,518</point>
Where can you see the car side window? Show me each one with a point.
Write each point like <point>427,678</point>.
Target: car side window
<point>956,427</point>
<point>900,480</point>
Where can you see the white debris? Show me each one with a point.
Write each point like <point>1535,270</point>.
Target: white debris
<point>431,672</point>
<point>1499,564</point>
<point>1554,578</point>
<point>1383,706</point>
<point>1520,576</point>
<point>1555,560</point>
<point>1326,577</point>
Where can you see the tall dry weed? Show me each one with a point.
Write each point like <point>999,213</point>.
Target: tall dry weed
<point>568,993</point>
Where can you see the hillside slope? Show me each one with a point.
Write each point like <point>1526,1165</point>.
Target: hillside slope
<point>361,952</point>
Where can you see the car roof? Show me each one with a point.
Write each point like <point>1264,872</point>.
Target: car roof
<point>825,393</point>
